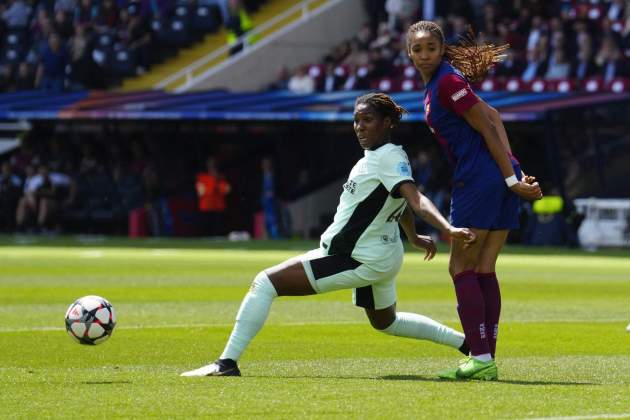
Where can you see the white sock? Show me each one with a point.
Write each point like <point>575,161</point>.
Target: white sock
<point>424,328</point>
<point>486,357</point>
<point>251,316</point>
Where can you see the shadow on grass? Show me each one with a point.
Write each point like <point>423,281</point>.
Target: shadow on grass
<point>503,381</point>
<point>103,241</point>
<point>105,382</point>
<point>426,379</point>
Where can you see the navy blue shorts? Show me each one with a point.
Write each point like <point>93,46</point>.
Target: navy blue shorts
<point>486,203</point>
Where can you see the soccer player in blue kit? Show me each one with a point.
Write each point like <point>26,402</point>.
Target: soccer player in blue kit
<point>487,183</point>
<point>361,249</point>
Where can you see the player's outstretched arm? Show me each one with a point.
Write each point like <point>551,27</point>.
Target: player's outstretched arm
<point>427,211</point>
<point>424,242</point>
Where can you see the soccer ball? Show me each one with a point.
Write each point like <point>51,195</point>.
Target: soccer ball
<point>90,320</point>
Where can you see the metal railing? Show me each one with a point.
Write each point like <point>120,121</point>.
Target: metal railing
<point>187,73</point>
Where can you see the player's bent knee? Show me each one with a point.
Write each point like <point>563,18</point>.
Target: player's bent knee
<point>382,326</point>
<point>391,329</point>
<point>381,323</point>
<point>262,284</point>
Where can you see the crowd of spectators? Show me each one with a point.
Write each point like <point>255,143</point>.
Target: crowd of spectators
<point>78,44</point>
<point>141,184</point>
<point>554,41</point>
<point>94,183</point>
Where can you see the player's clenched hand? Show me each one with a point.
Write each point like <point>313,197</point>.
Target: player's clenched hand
<point>463,234</point>
<point>529,192</point>
<point>425,243</point>
<point>528,179</point>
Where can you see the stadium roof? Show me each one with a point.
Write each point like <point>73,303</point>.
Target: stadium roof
<point>260,106</point>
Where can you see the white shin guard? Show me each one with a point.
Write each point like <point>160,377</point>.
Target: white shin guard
<point>424,328</point>
<point>251,316</point>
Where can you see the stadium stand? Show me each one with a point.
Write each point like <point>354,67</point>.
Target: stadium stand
<point>213,49</point>
<point>555,46</point>
<point>67,45</point>
<point>563,45</point>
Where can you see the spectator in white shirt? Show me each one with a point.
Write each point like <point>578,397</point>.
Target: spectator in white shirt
<point>301,82</point>
<point>559,66</point>
<point>42,192</point>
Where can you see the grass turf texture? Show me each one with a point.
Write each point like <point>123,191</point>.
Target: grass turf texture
<point>563,349</point>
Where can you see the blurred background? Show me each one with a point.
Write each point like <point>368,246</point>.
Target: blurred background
<point>228,118</point>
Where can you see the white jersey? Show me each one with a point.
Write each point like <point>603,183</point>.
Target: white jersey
<point>366,222</point>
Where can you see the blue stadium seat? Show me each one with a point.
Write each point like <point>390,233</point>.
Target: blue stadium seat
<point>106,40</point>
<point>102,57</point>
<point>12,55</point>
<point>206,19</point>
<point>156,25</point>
<point>123,62</point>
<point>177,33</point>
<point>159,27</point>
<point>15,38</point>
<point>182,12</point>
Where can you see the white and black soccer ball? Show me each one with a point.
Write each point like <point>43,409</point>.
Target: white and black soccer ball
<point>90,320</point>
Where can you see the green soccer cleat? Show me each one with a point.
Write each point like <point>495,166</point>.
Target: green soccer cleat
<point>448,374</point>
<point>470,368</point>
<point>475,369</point>
<point>451,374</point>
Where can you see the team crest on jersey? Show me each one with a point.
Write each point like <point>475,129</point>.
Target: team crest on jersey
<point>403,169</point>
<point>389,239</point>
<point>350,186</point>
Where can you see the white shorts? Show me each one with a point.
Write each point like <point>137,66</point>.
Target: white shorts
<point>371,289</point>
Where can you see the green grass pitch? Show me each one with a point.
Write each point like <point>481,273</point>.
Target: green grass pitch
<point>563,349</point>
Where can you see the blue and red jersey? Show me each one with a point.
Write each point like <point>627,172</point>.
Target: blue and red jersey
<point>448,95</point>
<point>479,198</point>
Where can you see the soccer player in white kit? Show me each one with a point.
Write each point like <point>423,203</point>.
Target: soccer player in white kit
<point>361,249</point>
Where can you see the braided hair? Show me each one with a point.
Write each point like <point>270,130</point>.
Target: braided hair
<point>383,105</point>
<point>473,60</point>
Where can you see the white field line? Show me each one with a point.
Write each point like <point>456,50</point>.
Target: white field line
<point>226,325</point>
<point>586,417</point>
<point>174,326</point>
<point>91,254</point>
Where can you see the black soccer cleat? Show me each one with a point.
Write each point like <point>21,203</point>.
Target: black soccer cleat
<point>221,367</point>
